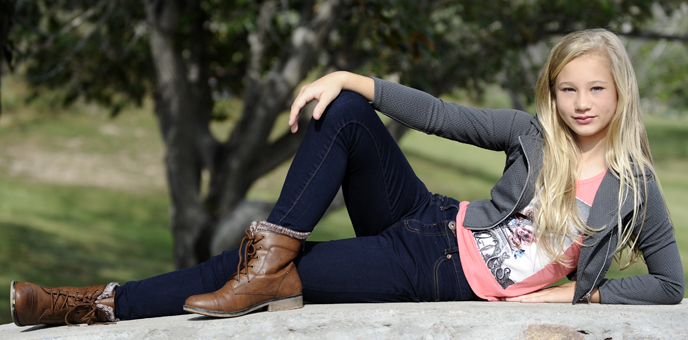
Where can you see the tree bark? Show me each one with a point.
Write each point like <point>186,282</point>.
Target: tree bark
<point>7,12</point>
<point>178,108</point>
<point>183,106</point>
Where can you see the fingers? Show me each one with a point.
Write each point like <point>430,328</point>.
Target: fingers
<point>322,92</point>
<point>325,99</point>
<point>535,298</point>
<point>301,100</point>
<point>553,294</point>
<point>524,298</point>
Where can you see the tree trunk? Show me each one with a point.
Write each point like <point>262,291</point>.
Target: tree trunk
<point>183,106</point>
<point>6,14</point>
<point>177,108</point>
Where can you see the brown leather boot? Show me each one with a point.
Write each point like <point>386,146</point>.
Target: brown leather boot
<point>32,304</point>
<point>267,276</point>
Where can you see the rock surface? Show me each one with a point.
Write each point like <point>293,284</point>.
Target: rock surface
<point>438,320</point>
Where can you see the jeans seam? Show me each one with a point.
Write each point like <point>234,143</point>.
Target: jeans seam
<point>454,259</point>
<point>438,263</point>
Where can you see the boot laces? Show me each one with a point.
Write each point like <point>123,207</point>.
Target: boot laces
<point>62,299</point>
<point>249,252</point>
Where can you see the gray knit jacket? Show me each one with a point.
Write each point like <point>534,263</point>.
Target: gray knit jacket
<point>518,134</point>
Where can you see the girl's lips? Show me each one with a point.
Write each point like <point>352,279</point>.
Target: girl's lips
<point>584,119</point>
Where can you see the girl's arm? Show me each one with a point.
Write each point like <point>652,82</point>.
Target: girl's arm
<point>493,129</point>
<point>325,90</point>
<point>665,281</point>
<point>486,128</point>
<point>561,293</point>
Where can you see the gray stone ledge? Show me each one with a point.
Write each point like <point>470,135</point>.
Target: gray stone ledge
<point>437,320</point>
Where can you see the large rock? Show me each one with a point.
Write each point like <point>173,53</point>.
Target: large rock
<point>438,320</point>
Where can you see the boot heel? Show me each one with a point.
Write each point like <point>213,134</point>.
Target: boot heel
<point>286,304</point>
<point>13,307</point>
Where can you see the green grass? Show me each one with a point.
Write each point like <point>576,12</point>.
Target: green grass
<point>59,235</point>
<point>84,198</point>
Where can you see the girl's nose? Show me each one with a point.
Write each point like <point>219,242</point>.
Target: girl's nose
<point>582,102</point>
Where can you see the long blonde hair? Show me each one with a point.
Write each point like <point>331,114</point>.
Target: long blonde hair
<point>627,149</point>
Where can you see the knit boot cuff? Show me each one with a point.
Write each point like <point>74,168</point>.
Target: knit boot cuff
<point>258,226</point>
<point>108,292</point>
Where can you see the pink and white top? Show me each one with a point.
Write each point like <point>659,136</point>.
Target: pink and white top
<point>504,261</point>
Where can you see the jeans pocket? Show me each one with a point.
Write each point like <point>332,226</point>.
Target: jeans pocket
<point>416,226</point>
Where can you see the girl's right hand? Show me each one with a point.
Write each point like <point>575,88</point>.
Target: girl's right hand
<point>325,90</point>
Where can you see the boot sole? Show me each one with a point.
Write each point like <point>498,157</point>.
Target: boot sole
<point>286,303</point>
<point>13,310</point>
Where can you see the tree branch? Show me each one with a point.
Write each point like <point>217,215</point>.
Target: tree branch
<point>79,45</point>
<point>258,43</point>
<point>265,102</point>
<point>653,36</point>
<point>634,34</point>
<point>74,23</point>
<point>139,31</point>
<point>276,153</point>
<point>7,7</point>
<point>284,147</point>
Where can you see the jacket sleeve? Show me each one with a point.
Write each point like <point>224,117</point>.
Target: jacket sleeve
<point>487,128</point>
<point>665,283</point>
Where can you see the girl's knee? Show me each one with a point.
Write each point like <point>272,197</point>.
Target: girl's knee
<point>349,103</point>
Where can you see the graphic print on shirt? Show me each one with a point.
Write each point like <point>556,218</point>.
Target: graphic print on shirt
<point>510,249</point>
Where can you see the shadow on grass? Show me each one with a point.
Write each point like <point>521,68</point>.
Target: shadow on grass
<point>42,256</point>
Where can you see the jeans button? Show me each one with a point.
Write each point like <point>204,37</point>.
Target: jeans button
<point>452,225</point>
<point>449,256</point>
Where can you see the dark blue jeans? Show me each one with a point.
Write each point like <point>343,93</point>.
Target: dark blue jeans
<point>405,249</point>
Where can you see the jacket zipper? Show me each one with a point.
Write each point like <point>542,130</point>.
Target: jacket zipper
<point>520,196</point>
<point>587,297</point>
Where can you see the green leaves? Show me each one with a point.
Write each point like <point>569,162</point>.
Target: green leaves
<point>433,45</point>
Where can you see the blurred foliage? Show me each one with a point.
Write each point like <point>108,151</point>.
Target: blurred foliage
<point>98,49</point>
<point>661,65</point>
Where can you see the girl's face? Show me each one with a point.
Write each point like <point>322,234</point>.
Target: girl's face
<point>586,97</point>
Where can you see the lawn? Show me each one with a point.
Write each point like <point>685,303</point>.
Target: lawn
<point>84,198</point>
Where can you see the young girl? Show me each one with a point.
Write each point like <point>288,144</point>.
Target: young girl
<point>578,187</point>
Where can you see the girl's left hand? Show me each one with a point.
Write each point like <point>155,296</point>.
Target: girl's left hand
<point>325,90</point>
<point>561,293</point>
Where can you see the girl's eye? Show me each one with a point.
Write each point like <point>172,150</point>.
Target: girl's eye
<point>567,89</point>
<point>597,89</point>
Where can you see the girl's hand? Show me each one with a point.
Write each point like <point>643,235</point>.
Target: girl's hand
<point>325,90</point>
<point>561,293</point>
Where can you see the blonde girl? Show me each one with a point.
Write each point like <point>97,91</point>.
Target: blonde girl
<point>578,187</point>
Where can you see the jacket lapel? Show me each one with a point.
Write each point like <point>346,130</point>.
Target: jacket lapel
<point>598,250</point>
<point>603,213</point>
